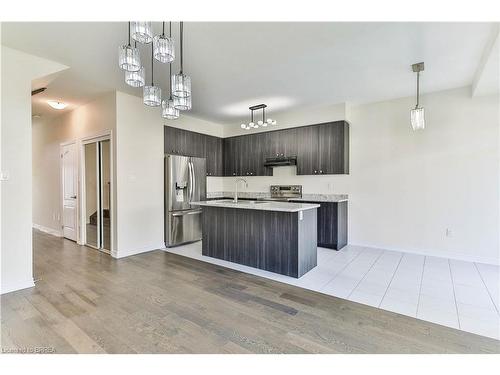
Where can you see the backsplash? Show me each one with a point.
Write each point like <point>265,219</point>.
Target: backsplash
<point>324,184</point>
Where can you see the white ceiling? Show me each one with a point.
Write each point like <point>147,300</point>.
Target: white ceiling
<point>235,65</point>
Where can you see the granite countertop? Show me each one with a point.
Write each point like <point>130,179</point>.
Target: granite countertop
<point>263,196</point>
<point>259,205</point>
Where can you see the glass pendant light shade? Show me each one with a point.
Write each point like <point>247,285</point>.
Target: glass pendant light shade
<point>182,104</point>
<point>168,110</point>
<point>417,117</point>
<point>142,32</point>
<point>152,96</point>
<point>181,85</point>
<point>129,58</point>
<point>163,47</point>
<point>135,79</point>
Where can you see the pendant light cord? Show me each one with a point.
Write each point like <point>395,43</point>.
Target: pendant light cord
<point>152,69</point>
<point>418,89</point>
<point>170,64</point>
<point>181,32</point>
<point>129,33</point>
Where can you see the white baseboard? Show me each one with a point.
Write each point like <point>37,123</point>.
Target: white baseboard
<point>13,287</point>
<point>127,253</point>
<point>437,253</point>
<point>53,232</point>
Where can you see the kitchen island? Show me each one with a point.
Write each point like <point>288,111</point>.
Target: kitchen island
<point>278,237</point>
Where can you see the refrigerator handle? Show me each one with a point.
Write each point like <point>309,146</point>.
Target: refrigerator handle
<point>190,191</point>
<point>193,181</point>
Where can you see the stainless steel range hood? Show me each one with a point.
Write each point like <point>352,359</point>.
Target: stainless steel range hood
<point>280,161</point>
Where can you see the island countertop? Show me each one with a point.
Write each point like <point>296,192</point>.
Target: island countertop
<point>258,205</point>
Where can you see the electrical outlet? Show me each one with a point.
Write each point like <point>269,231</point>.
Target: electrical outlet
<point>4,176</point>
<point>449,232</point>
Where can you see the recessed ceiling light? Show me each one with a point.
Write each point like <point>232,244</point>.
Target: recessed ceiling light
<point>56,105</point>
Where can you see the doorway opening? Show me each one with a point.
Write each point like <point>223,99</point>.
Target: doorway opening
<point>96,167</point>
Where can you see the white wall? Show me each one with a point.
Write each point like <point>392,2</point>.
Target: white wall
<point>18,69</point>
<point>406,188</point>
<point>88,120</point>
<point>290,119</point>
<point>140,147</point>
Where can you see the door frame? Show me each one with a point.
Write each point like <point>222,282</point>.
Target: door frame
<point>106,135</point>
<point>61,182</point>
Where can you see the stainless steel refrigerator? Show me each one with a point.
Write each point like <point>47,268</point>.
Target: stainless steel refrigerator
<point>185,182</point>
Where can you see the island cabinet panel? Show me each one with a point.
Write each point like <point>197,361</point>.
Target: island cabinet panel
<point>332,224</point>
<point>184,142</point>
<point>274,241</point>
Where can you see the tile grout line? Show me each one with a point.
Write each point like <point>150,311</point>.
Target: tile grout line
<point>486,286</point>
<point>390,281</point>
<point>342,269</point>
<point>420,289</point>
<point>366,273</point>
<point>454,295</point>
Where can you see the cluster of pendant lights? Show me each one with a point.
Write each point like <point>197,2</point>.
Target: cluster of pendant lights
<point>264,122</point>
<point>162,50</point>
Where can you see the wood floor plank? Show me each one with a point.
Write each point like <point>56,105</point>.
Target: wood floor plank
<point>87,302</point>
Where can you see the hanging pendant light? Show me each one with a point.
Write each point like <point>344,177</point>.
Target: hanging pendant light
<point>417,114</point>
<point>163,47</point>
<point>181,83</point>
<point>152,93</point>
<point>135,79</point>
<point>168,109</point>
<point>142,32</point>
<point>129,58</point>
<point>182,104</point>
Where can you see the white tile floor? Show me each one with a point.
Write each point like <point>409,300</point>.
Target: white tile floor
<point>458,294</point>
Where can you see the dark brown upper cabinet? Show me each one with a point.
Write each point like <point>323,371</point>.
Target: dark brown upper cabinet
<point>323,149</point>
<point>184,142</point>
<point>320,149</point>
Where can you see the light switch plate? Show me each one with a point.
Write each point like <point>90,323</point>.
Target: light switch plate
<point>4,176</point>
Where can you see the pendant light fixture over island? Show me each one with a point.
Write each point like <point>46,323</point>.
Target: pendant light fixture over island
<point>263,122</point>
<point>163,51</point>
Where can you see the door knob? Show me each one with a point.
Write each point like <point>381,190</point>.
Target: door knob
<point>73,197</point>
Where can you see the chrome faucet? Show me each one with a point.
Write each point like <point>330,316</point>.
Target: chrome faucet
<point>235,200</point>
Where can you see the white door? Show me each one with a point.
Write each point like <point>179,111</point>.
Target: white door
<point>69,175</point>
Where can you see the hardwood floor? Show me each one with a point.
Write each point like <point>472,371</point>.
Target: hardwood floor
<point>157,302</point>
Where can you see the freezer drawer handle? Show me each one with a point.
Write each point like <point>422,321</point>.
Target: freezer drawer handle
<point>187,213</point>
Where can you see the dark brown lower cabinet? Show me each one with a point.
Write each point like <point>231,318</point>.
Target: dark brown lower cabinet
<point>332,224</point>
